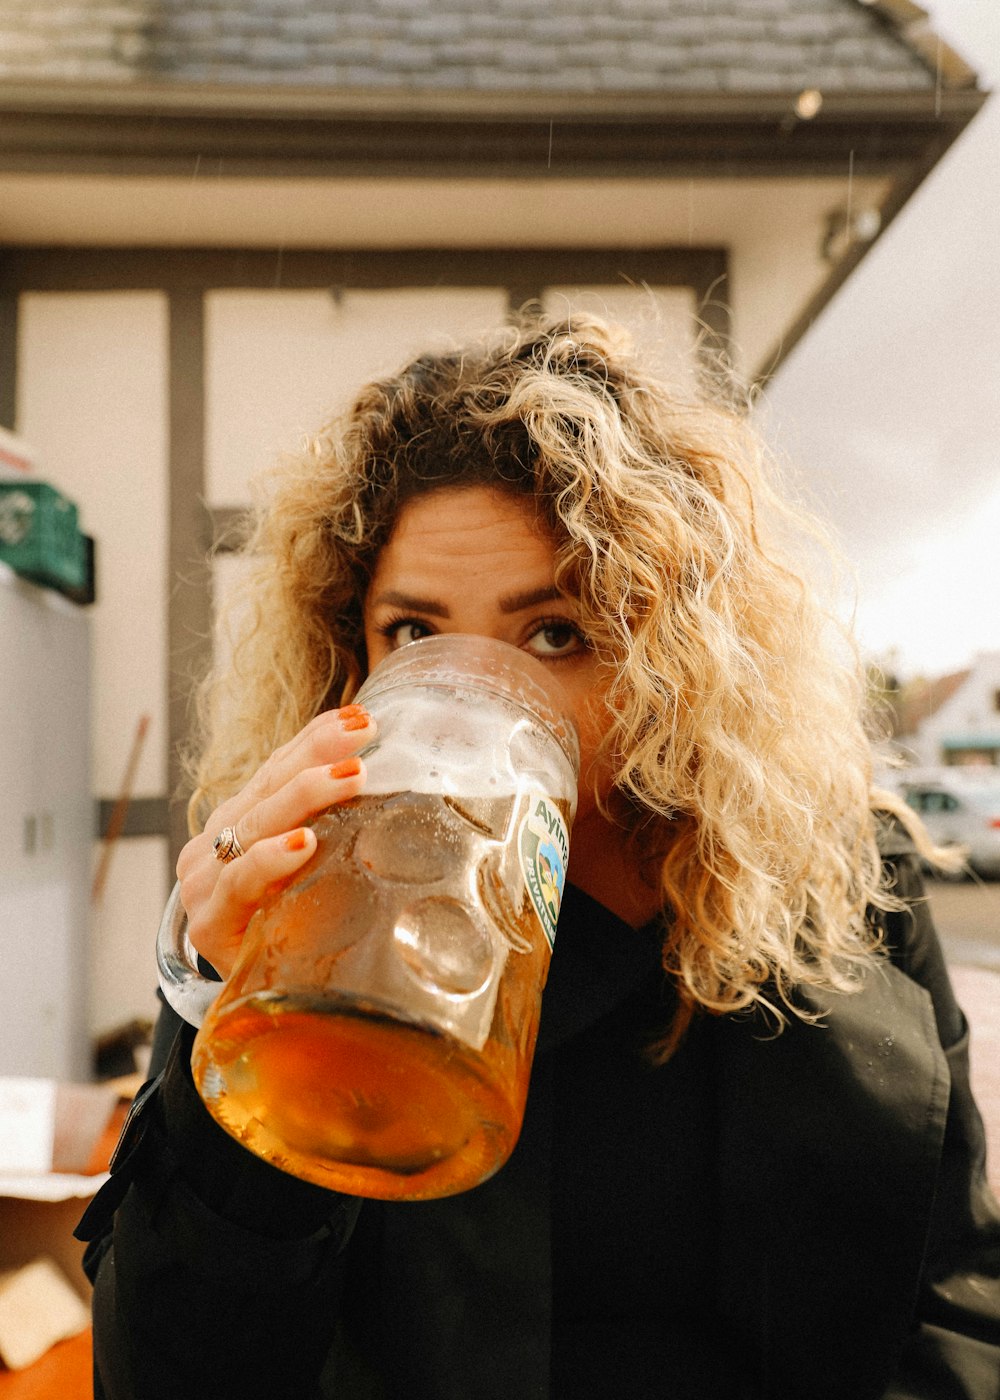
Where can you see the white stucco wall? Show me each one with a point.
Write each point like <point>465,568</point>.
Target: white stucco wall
<point>277,363</point>
<point>92,402</point>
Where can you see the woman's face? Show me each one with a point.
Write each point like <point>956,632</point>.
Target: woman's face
<point>472,559</point>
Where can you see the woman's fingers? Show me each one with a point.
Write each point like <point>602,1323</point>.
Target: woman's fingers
<point>330,737</point>
<point>216,926</point>
<point>326,741</point>
<point>315,770</point>
<point>224,896</point>
<point>300,799</point>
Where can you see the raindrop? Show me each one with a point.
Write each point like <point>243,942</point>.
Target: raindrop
<point>938,79</point>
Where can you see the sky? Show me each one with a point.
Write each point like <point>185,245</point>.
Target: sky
<point>890,405</point>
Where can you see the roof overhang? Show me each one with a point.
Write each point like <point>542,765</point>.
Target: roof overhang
<point>165,129</point>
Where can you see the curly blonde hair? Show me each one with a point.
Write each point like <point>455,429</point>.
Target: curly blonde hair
<point>737,708</point>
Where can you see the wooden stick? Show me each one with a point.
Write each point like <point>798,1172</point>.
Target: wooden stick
<point>119,812</point>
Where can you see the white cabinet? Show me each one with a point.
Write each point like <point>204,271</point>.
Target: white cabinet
<point>46,832</point>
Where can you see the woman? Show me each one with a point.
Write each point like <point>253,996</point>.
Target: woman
<point>750,1164</point>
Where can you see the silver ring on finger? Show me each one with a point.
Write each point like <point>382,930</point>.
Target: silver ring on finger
<point>227,845</point>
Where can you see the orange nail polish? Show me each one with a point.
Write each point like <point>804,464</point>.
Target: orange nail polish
<point>349,711</point>
<point>358,721</point>
<point>296,840</point>
<point>346,768</point>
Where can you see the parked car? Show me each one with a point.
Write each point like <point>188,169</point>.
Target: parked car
<point>960,807</point>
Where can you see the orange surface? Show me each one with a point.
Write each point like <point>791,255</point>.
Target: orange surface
<point>65,1372</point>
<point>106,1143</point>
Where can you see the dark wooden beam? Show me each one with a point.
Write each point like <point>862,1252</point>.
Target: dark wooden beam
<point>144,816</point>
<point>182,270</point>
<point>189,581</point>
<point>8,358</point>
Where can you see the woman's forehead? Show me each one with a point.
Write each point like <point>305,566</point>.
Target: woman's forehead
<point>463,544</point>
<point>465,518</point>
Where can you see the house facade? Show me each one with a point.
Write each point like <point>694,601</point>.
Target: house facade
<point>956,720</point>
<point>216,220</point>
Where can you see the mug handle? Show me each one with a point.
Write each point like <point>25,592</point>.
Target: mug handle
<point>187,991</point>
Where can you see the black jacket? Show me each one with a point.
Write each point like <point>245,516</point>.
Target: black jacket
<point>835,1239</point>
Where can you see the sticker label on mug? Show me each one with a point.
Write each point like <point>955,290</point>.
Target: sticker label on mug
<point>543,850</point>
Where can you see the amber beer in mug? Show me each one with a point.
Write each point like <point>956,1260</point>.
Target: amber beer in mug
<point>377,1032</point>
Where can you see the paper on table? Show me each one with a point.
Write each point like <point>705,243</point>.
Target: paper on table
<point>38,1307</point>
<point>27,1125</point>
<point>52,1186</point>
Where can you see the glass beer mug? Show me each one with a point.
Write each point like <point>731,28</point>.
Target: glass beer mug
<point>377,1031</point>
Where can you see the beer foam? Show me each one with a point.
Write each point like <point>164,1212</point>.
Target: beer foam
<point>452,745</point>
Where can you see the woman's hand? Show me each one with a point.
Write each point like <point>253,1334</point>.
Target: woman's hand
<point>304,777</point>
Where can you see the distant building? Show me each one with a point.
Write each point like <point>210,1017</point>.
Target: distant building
<point>954,719</point>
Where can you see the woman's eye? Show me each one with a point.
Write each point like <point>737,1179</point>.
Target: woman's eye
<point>555,639</point>
<point>400,634</point>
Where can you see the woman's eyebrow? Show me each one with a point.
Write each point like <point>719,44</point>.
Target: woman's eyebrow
<point>429,606</point>
<point>516,602</point>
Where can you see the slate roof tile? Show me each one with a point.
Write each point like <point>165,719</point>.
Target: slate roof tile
<point>598,46</point>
